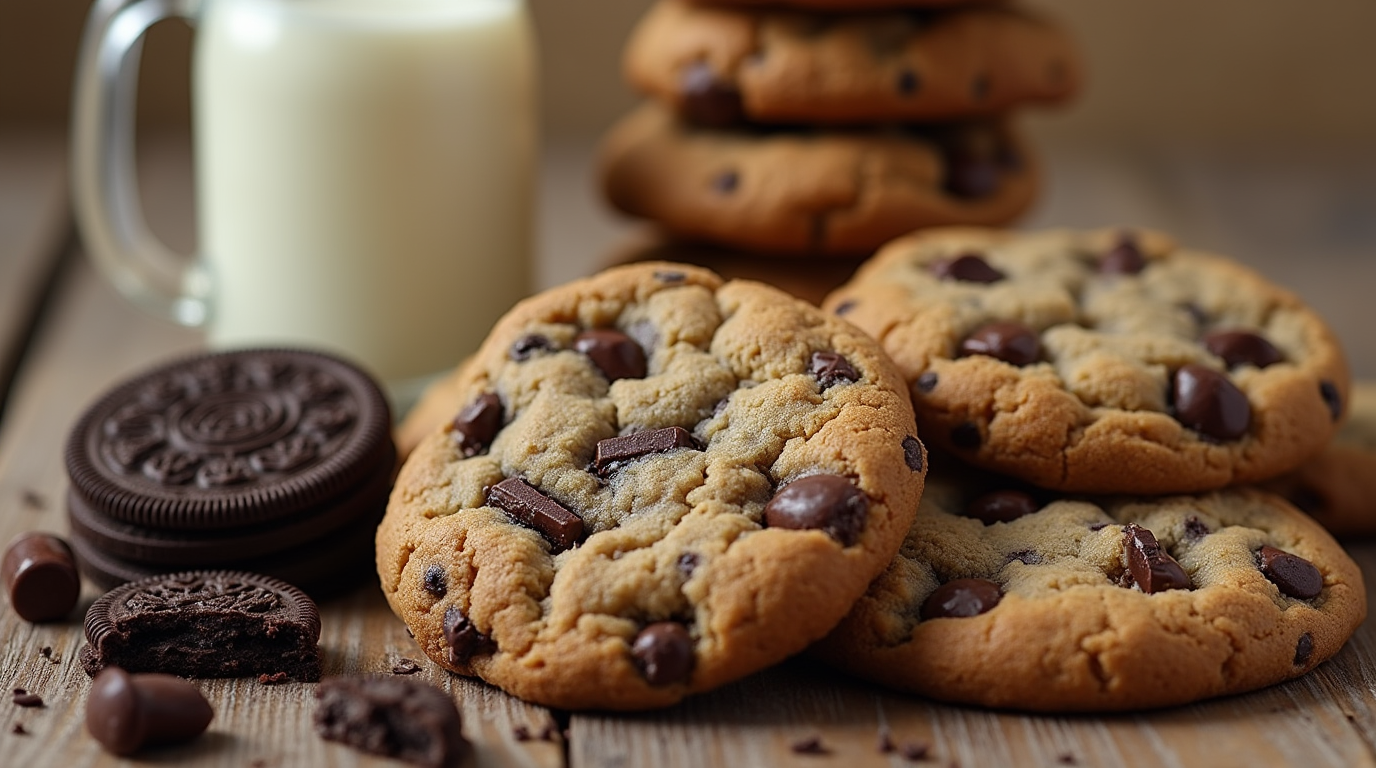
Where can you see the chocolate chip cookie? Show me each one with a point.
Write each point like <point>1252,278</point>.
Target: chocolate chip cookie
<point>1014,598</point>
<point>724,66</point>
<point>657,482</point>
<point>1103,362</point>
<point>798,191</point>
<point>1338,487</point>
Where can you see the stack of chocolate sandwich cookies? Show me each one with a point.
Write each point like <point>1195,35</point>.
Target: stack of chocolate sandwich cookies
<point>826,128</point>
<point>1117,364</point>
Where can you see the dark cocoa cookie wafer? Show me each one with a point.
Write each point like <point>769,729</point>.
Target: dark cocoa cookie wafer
<point>401,718</point>
<point>205,624</point>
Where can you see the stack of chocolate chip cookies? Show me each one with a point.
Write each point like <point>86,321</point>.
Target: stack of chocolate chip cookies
<point>824,128</point>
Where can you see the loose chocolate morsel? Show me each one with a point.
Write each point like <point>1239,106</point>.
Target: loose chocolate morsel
<point>1209,403</point>
<point>966,435</point>
<point>127,712</point>
<point>435,582</point>
<point>1329,392</point>
<point>967,268</point>
<point>1242,348</point>
<point>830,368</point>
<point>464,639</point>
<point>1292,574</point>
<point>1152,568</point>
<point>927,381</point>
<point>528,506</point>
<point>707,100</point>
<point>1001,507</point>
<point>1304,648</point>
<point>614,450</point>
<point>615,353</point>
<point>913,454</point>
<point>523,348</point>
<point>476,425</point>
<point>961,598</point>
<point>663,652</point>
<point>1125,258</point>
<point>40,575</point>
<point>829,503</point>
<point>1006,340</point>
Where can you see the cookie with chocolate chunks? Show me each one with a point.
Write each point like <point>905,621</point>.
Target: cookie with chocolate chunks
<point>1094,604</point>
<point>648,524</point>
<point>1110,361</point>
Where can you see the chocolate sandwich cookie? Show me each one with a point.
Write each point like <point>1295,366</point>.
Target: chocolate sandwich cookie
<point>1338,487</point>
<point>1104,362</point>
<point>1029,600</point>
<point>721,66</point>
<point>654,483</point>
<point>205,624</point>
<point>800,191</point>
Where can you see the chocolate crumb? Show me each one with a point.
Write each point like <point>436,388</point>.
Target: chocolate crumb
<point>33,500</point>
<point>812,745</point>
<point>272,679</point>
<point>19,730</point>
<point>1067,759</point>
<point>405,666</point>
<point>46,652</point>
<point>521,733</point>
<point>915,750</point>
<point>884,745</point>
<point>25,699</point>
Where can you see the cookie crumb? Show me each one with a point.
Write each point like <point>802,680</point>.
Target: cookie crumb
<point>915,750</point>
<point>521,733</point>
<point>25,699</point>
<point>812,745</point>
<point>47,653</point>
<point>19,730</point>
<point>33,500</point>
<point>884,744</point>
<point>272,679</point>
<point>405,666</point>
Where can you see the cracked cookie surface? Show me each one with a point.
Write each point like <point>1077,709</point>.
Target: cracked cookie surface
<point>657,483</point>
<point>1103,362</point>
<point>722,66</point>
<point>1090,605</point>
<point>790,192</point>
<point>1338,487</point>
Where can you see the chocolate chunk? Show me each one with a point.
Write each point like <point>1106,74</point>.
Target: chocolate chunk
<point>126,713</point>
<point>913,454</point>
<point>476,425</point>
<point>396,717</point>
<point>1242,348</point>
<point>1195,529</point>
<point>615,353</point>
<point>614,450</point>
<point>1304,648</point>
<point>726,182</point>
<point>971,177</point>
<point>1209,403</point>
<point>39,571</point>
<point>463,638</point>
<point>435,581</point>
<point>830,369</point>
<point>908,82</point>
<point>967,268</point>
<point>812,745</point>
<point>961,598</point>
<point>966,435</point>
<point>1152,568</point>
<point>23,698</point>
<point>845,307</point>
<point>927,381</point>
<point>1329,392</point>
<point>528,506</point>
<point>1292,574</point>
<point>707,100</point>
<point>405,667</point>
<point>663,652</point>
<point>829,503</point>
<point>1006,340</point>
<point>1125,258</point>
<point>1001,507</point>
<point>526,346</point>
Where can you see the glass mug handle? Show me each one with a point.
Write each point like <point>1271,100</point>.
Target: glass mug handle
<point>104,183</point>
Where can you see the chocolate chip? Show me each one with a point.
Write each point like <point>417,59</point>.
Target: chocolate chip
<point>1125,258</point>
<point>708,100</point>
<point>1001,507</point>
<point>687,563</point>
<point>1304,648</point>
<point>1209,403</point>
<point>435,581</point>
<point>961,598</point>
<point>663,652</point>
<point>830,369</point>
<point>405,667</point>
<point>615,450</point>
<point>969,177</point>
<point>927,381</point>
<point>966,435</point>
<point>127,712</point>
<point>1242,348</point>
<point>528,506</point>
<point>1152,568</point>
<point>811,745</point>
<point>846,306</point>
<point>39,572</point>
<point>463,638</point>
<point>1292,574</point>
<point>1006,340</point>
<point>829,503</point>
<point>913,455</point>
<point>670,277</point>
<point>23,698</point>
<point>726,182</point>
<point>526,346</point>
<point>1329,392</point>
<point>475,426</point>
<point>615,353</point>
<point>908,82</point>
<point>967,268</point>
<point>1194,529</point>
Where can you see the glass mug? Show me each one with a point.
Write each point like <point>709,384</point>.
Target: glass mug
<point>364,173</point>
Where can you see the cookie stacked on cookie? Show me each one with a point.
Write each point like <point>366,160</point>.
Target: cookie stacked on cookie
<point>826,128</point>
<point>1156,378</point>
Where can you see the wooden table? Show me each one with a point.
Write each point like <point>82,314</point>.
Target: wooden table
<point>1309,221</point>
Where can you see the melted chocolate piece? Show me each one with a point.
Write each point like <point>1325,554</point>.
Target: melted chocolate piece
<point>477,424</point>
<point>435,581</point>
<point>463,638</point>
<point>1209,403</point>
<point>1001,507</point>
<point>961,598</point>
<point>126,713</point>
<point>615,353</point>
<point>1006,340</point>
<point>1329,392</point>
<point>525,347</point>
<point>615,450</point>
<point>830,369</point>
<point>1152,568</point>
<point>525,505</point>
<point>829,503</point>
<point>1292,574</point>
<point>913,454</point>
<point>967,268</point>
<point>1242,348</point>
<point>708,100</point>
<point>663,652</point>
<point>1125,258</point>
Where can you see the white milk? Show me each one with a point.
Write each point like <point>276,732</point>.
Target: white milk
<point>365,174</point>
